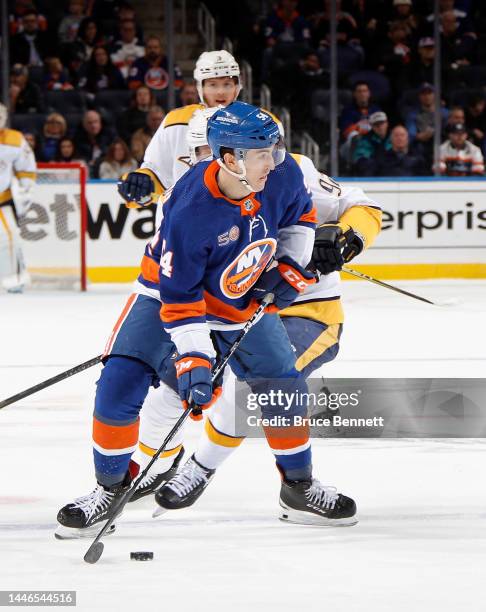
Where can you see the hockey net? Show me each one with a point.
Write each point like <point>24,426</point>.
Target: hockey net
<point>53,232</point>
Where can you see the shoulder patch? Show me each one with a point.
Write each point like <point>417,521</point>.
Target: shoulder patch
<point>11,138</point>
<point>180,116</point>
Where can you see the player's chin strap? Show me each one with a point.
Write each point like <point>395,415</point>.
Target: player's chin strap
<point>240,176</point>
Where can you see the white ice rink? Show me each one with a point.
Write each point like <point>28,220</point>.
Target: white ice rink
<point>421,541</point>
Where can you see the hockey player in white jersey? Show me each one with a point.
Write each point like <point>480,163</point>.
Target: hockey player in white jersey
<point>167,158</point>
<point>349,222</point>
<point>17,161</point>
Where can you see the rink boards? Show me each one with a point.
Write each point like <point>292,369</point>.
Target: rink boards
<point>432,228</point>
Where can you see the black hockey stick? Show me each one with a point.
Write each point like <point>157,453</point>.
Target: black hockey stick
<point>393,288</point>
<point>51,381</point>
<point>95,551</point>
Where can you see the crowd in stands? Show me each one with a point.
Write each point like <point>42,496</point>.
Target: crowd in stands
<point>86,84</point>
<point>385,59</point>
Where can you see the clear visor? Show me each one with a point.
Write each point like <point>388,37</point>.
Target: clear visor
<point>278,152</point>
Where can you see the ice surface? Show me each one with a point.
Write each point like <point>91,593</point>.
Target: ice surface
<point>421,541</point>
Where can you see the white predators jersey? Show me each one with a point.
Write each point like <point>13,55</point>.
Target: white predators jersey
<point>167,155</point>
<point>331,201</point>
<point>16,159</point>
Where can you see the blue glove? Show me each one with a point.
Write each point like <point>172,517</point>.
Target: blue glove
<point>136,187</point>
<point>286,279</point>
<point>194,381</point>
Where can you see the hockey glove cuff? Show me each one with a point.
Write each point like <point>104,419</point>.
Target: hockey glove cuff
<point>286,279</point>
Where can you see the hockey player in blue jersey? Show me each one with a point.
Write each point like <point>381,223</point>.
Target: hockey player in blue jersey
<point>235,229</point>
<point>349,222</point>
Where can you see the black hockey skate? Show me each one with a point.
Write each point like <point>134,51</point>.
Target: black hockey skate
<point>184,488</point>
<point>85,516</point>
<point>152,482</point>
<point>311,503</point>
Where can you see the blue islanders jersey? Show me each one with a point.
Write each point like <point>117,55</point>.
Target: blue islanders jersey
<point>210,250</point>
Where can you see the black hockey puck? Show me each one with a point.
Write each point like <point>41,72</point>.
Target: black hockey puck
<point>142,556</point>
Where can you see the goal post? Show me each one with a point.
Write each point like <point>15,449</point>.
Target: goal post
<point>53,231</point>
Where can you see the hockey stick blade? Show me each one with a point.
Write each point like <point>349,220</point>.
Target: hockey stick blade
<point>95,551</point>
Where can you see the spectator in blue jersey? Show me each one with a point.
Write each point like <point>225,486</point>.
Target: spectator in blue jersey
<point>286,25</point>
<point>401,159</point>
<point>354,120</point>
<point>152,69</point>
<point>371,145</point>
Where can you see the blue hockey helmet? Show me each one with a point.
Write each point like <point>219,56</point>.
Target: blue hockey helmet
<point>241,126</point>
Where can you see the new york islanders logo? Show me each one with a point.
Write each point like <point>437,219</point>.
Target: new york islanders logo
<point>245,269</point>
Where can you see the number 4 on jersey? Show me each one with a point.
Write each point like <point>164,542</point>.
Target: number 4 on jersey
<point>166,261</point>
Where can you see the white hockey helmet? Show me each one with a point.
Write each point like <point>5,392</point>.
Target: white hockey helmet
<point>214,64</point>
<point>197,129</point>
<point>3,116</point>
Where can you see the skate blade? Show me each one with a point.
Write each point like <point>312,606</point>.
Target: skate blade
<point>75,533</point>
<point>159,511</point>
<point>299,517</point>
